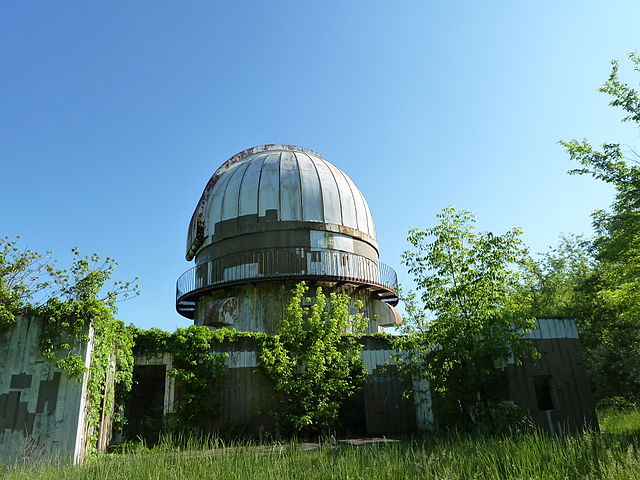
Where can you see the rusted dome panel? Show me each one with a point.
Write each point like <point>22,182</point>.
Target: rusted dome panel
<point>213,208</point>
<point>330,193</point>
<point>290,192</point>
<point>347,203</point>
<point>312,205</point>
<point>230,200</point>
<point>250,185</point>
<point>269,190</point>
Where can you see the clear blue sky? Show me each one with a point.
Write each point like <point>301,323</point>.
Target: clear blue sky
<point>113,115</point>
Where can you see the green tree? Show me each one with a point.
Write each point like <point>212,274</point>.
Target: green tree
<point>469,314</point>
<point>559,277</point>
<point>613,324</point>
<point>312,361</point>
<point>23,274</point>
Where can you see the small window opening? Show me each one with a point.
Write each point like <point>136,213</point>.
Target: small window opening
<point>542,386</point>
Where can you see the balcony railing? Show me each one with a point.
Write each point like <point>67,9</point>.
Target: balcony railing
<point>285,264</point>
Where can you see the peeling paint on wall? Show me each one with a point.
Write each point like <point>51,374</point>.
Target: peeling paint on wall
<point>41,409</point>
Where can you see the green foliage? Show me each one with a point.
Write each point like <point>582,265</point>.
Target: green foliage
<point>470,315</point>
<point>197,367</point>
<point>78,306</point>
<point>312,363</point>
<point>23,274</point>
<point>557,278</point>
<point>607,305</point>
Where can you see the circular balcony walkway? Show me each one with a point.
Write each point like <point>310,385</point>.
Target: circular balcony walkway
<point>281,265</point>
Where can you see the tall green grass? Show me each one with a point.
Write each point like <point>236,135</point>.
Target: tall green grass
<point>613,454</point>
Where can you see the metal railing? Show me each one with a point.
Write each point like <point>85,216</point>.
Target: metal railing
<point>284,263</point>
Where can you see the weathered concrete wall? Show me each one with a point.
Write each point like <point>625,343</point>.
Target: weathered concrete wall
<point>42,411</point>
<point>259,307</point>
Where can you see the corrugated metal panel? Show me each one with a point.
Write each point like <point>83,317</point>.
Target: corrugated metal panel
<point>330,195</point>
<point>312,205</point>
<point>573,330</point>
<point>269,191</point>
<point>231,195</point>
<point>545,330</point>
<point>548,328</point>
<point>250,185</point>
<point>347,203</point>
<point>290,193</point>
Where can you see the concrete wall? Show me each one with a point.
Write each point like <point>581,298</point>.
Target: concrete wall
<point>42,411</point>
<point>259,307</point>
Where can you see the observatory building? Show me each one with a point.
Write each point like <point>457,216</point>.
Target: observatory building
<point>272,216</point>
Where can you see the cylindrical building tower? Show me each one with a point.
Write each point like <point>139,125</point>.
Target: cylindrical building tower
<point>268,218</point>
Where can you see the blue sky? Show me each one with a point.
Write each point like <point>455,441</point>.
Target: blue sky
<point>114,115</point>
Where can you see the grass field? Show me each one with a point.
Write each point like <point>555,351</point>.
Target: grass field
<point>613,454</point>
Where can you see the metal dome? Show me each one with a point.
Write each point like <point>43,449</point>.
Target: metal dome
<point>280,213</point>
<point>278,183</point>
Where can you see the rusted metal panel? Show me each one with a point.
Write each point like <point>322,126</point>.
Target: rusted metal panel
<point>290,191</point>
<point>269,191</point>
<point>312,206</point>
<point>230,201</point>
<point>250,185</point>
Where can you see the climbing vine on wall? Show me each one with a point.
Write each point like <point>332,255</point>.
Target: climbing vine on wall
<point>76,306</point>
<point>312,362</point>
<point>197,366</point>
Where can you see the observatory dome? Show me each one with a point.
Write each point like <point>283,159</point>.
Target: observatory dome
<point>272,216</point>
<point>278,187</point>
